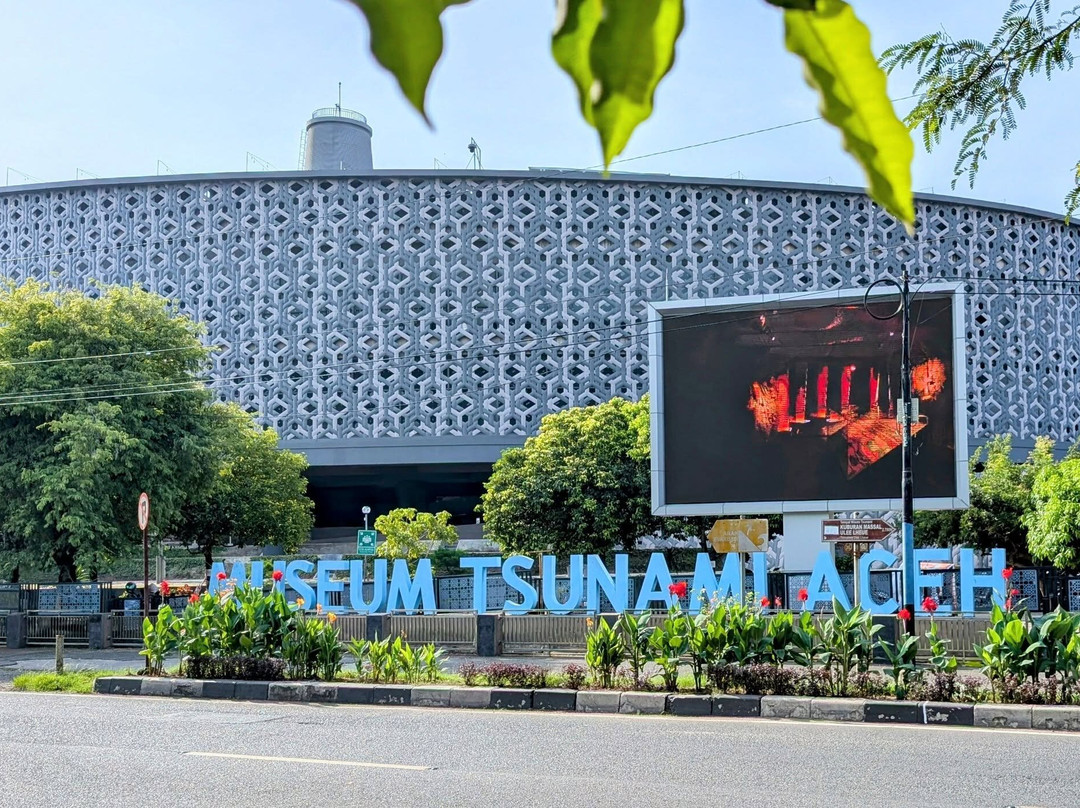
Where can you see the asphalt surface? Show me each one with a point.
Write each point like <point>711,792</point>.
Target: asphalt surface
<point>84,751</point>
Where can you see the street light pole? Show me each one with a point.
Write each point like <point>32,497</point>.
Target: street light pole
<point>905,457</point>
<point>906,490</point>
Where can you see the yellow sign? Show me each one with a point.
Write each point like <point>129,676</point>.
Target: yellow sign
<point>740,535</point>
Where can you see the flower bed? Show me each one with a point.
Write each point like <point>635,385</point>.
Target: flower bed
<point>725,648</point>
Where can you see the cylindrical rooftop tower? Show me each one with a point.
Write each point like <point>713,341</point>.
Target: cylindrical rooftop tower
<point>337,139</point>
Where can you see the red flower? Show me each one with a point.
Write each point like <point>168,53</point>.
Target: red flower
<point>278,575</point>
<point>777,601</point>
<point>764,603</point>
<point>194,598</point>
<point>678,590</point>
<point>221,576</point>
<point>929,604</point>
<point>1015,592</point>
<point>164,589</point>
<point>1008,604</point>
<point>904,614</point>
<point>1007,573</point>
<point>804,594</point>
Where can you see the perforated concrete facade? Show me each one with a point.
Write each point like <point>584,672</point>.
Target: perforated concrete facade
<point>433,308</point>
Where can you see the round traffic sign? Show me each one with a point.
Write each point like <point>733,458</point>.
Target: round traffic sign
<point>144,510</point>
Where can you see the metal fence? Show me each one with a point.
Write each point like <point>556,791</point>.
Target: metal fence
<point>3,628</point>
<point>543,633</point>
<point>455,632</point>
<point>41,629</point>
<point>126,629</point>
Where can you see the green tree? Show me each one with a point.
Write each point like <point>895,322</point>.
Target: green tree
<point>617,52</point>
<point>1001,496</point>
<point>580,485</point>
<point>1054,521</point>
<point>99,399</point>
<point>978,86</point>
<point>258,496</point>
<point>408,533</point>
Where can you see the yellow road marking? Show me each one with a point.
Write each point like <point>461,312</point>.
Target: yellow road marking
<point>274,759</point>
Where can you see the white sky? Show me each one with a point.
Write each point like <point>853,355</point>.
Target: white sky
<point>113,86</point>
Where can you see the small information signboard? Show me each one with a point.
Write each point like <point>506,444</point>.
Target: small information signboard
<point>855,530</point>
<point>366,541</point>
<point>740,535</point>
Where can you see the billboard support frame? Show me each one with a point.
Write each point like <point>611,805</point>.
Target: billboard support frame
<point>658,310</point>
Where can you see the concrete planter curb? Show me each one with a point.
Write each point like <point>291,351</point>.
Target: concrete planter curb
<point>1057,717</point>
<point>939,712</point>
<point>1012,716</point>
<point>510,698</point>
<point>555,699</point>
<point>431,696</point>
<point>888,712</point>
<point>390,694</point>
<point>737,706</point>
<point>598,701</point>
<point>1008,716</point>
<point>478,698</point>
<point>689,705</point>
<point>828,709</point>
<point>643,703</point>
<point>785,706</point>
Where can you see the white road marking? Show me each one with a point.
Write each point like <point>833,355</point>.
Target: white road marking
<point>273,759</point>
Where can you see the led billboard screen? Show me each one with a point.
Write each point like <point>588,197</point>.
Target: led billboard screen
<point>791,404</point>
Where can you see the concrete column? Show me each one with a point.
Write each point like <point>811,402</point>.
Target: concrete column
<point>489,634</point>
<point>99,631</point>
<point>16,630</point>
<point>377,626</point>
<point>802,540</point>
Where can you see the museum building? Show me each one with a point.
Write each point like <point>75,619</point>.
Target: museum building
<point>403,327</point>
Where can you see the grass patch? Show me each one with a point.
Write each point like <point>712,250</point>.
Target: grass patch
<point>67,682</point>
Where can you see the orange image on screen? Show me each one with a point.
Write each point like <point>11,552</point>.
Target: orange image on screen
<point>871,432</point>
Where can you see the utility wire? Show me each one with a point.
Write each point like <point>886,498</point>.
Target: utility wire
<point>871,253</point>
<point>325,373</point>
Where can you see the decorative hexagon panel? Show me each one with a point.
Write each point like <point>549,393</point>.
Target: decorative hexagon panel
<point>396,305</point>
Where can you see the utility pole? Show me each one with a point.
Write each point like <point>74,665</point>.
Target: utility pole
<point>906,485</point>
<point>905,460</point>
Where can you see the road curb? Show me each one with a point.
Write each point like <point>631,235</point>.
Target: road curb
<point>1056,717</point>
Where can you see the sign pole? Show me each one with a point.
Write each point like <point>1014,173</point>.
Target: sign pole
<point>143,514</point>
<point>146,573</point>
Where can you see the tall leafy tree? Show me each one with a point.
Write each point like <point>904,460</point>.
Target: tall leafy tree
<point>977,85</point>
<point>1054,520</point>
<point>1001,496</point>
<point>580,485</point>
<point>100,399</point>
<point>409,533</point>
<point>258,495</point>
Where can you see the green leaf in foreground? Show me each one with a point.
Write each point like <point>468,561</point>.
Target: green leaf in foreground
<point>616,53</point>
<point>835,48</point>
<point>407,39</point>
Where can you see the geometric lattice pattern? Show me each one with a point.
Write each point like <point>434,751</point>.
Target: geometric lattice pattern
<point>435,304</point>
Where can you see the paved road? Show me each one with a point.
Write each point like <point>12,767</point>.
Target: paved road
<point>117,751</point>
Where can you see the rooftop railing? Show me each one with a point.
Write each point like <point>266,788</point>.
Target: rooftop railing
<point>338,112</point>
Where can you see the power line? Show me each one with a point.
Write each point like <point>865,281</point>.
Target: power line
<point>322,374</point>
<point>870,253</point>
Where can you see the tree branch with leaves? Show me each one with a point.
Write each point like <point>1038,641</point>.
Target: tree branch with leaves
<point>978,86</point>
<point>617,52</point>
